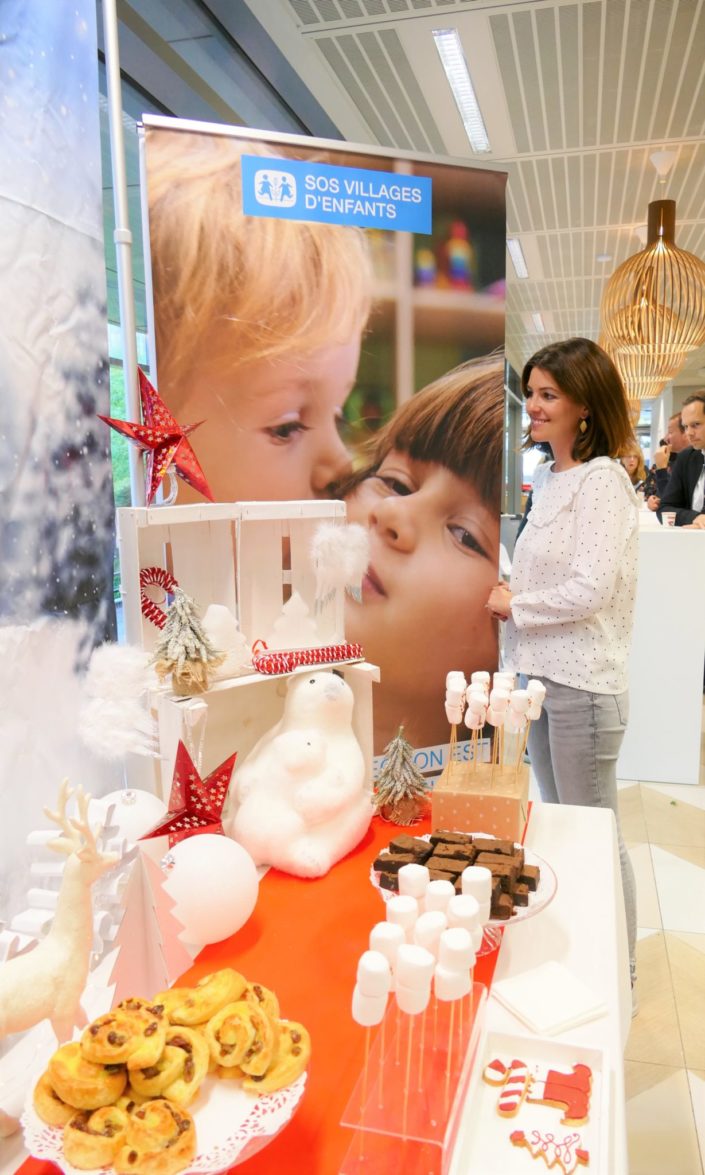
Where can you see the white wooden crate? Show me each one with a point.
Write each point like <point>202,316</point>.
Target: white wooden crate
<point>249,556</point>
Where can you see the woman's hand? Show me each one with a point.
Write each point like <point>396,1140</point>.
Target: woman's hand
<point>500,601</point>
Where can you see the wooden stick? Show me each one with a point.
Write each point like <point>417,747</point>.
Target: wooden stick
<point>421,1047</point>
<point>406,1076</point>
<point>364,1092</point>
<point>450,1050</point>
<point>382,1035</point>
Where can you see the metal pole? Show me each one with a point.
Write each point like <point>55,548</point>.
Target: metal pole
<point>123,243</point>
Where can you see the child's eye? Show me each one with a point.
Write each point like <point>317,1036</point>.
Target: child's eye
<point>467,540</point>
<point>286,430</point>
<point>393,484</point>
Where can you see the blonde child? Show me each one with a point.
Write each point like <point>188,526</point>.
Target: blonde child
<point>258,321</point>
<point>430,496</point>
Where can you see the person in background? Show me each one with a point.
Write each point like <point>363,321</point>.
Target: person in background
<point>674,442</point>
<point>570,603</point>
<point>258,321</point>
<point>685,492</point>
<point>632,460</point>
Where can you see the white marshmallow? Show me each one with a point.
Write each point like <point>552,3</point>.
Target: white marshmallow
<point>477,882</point>
<point>477,934</point>
<point>480,675</point>
<point>477,704</point>
<point>455,695</point>
<point>413,1000</point>
<point>413,880</point>
<point>495,717</point>
<point>438,895</point>
<point>374,975</point>
<point>414,966</point>
<point>504,679</point>
<point>454,714</point>
<point>387,937</point>
<point>455,679</point>
<point>514,722</point>
<point>536,689</point>
<point>455,949</point>
<point>368,1010</point>
<point>474,721</point>
<point>519,700</point>
<point>403,910</point>
<point>464,910</point>
<point>451,985</point>
<point>429,928</point>
<point>534,711</point>
<point>499,699</point>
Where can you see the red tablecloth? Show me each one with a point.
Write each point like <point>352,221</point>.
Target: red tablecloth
<point>304,941</point>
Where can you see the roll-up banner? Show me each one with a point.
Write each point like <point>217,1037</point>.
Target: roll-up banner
<point>334,314</point>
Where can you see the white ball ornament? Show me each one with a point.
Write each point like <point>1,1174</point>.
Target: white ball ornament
<point>214,884</point>
<point>134,811</point>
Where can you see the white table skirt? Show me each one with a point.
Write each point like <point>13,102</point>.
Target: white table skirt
<point>584,928</point>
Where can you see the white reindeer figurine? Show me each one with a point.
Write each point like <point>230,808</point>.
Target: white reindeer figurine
<point>48,980</point>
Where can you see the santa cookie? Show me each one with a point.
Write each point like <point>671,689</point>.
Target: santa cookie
<point>568,1092</point>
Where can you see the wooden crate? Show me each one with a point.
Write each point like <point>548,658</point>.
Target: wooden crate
<point>249,556</point>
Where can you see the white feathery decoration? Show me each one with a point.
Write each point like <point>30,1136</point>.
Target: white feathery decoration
<point>340,557</point>
<point>113,720</point>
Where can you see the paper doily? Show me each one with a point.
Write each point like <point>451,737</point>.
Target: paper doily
<point>231,1126</point>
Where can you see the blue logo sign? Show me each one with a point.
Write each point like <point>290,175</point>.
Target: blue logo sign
<point>294,189</point>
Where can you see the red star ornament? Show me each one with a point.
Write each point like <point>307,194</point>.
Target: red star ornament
<point>164,440</point>
<point>195,804</point>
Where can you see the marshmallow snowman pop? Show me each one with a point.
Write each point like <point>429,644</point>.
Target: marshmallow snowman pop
<point>475,716</point>
<point>496,712</point>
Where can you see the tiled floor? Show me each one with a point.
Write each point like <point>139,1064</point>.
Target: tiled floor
<point>664,827</point>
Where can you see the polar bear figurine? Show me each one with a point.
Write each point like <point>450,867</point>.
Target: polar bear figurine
<point>302,801</point>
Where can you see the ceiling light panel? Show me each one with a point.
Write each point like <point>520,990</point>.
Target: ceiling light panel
<point>450,51</point>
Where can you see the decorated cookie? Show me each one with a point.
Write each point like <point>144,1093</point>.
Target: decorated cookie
<point>560,1155</point>
<point>568,1092</point>
<point>514,1080</point>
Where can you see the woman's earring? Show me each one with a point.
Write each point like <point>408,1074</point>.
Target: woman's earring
<point>583,426</point>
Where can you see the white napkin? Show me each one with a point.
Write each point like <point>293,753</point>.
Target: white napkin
<point>549,999</point>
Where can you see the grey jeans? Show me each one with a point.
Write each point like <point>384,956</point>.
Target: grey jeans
<point>573,748</point>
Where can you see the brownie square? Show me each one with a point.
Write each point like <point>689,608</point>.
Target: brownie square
<point>530,876</point>
<point>389,881</point>
<point>503,909</point>
<point>491,844</point>
<point>392,862</point>
<point>411,844</point>
<point>521,894</point>
<point>451,838</point>
<point>502,868</point>
<point>448,865</point>
<point>442,875</point>
<point>464,853</point>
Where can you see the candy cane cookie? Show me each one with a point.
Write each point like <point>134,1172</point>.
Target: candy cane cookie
<point>514,1080</point>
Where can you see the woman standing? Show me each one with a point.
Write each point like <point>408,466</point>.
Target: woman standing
<point>571,601</point>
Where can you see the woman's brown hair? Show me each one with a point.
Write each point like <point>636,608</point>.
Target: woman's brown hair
<point>587,375</point>
<point>457,422</point>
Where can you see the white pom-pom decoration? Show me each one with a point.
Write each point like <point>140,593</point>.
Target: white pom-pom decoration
<point>340,555</point>
<point>116,672</point>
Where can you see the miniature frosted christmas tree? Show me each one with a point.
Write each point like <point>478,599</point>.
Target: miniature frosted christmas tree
<point>401,791</point>
<point>185,650</point>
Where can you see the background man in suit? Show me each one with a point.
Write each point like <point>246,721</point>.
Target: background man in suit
<point>685,492</point>
<point>665,456</point>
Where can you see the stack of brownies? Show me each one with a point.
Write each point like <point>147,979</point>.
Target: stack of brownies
<point>446,854</point>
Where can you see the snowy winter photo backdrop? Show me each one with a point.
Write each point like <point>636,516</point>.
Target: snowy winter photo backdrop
<point>56,505</point>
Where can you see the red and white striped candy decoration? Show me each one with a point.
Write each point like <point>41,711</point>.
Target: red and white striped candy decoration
<point>158,577</point>
<point>515,1086</point>
<point>285,660</point>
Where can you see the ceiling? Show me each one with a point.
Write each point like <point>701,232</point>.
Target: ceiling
<point>576,96</point>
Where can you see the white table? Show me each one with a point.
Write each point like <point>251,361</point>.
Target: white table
<point>662,741</point>
<point>583,928</point>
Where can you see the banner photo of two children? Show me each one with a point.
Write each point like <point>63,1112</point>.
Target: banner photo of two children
<point>335,316</point>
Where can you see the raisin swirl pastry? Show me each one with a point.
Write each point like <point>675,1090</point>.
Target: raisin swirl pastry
<point>263,997</point>
<point>181,1070</point>
<point>81,1083</point>
<point>160,1140</point>
<point>49,1106</point>
<point>243,1034</point>
<point>293,1056</point>
<point>210,994</point>
<point>93,1138</point>
<point>133,1033</point>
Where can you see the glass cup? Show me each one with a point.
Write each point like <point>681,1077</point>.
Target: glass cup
<point>669,517</point>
